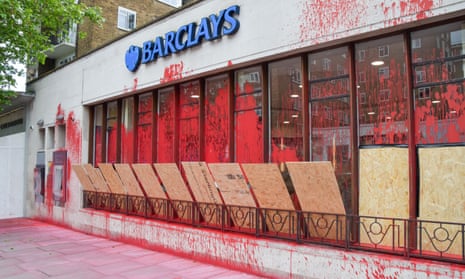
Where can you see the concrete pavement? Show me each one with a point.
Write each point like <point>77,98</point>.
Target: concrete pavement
<point>36,250</point>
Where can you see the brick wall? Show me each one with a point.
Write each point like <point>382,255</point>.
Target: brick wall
<point>146,10</point>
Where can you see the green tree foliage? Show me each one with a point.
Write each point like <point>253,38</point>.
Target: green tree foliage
<point>26,27</point>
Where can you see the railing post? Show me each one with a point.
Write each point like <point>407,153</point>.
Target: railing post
<point>299,220</point>
<point>348,230</point>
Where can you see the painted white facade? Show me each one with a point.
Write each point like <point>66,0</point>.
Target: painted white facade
<point>12,150</point>
<point>268,30</point>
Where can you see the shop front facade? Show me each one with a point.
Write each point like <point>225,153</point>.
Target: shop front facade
<point>375,88</point>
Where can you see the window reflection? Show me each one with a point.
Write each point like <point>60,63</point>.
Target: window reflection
<point>98,137</point>
<point>127,131</point>
<point>166,126</point>
<point>381,91</point>
<point>330,115</point>
<point>112,131</point>
<point>286,110</point>
<point>144,128</point>
<point>439,74</point>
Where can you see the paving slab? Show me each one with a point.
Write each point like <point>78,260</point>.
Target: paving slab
<point>34,249</point>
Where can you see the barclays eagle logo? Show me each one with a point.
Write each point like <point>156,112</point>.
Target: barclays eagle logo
<point>133,57</point>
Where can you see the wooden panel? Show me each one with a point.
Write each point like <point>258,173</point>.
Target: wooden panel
<point>316,187</point>
<point>112,179</point>
<point>384,192</point>
<point>268,186</point>
<point>173,182</point>
<point>317,190</point>
<point>270,191</point>
<point>235,191</point>
<point>442,195</point>
<point>129,180</point>
<point>201,182</point>
<point>149,181</point>
<point>97,179</point>
<point>83,178</point>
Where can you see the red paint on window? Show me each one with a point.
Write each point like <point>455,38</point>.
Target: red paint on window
<point>144,129</point>
<point>73,142</point>
<point>189,129</point>
<point>172,72</point>
<point>248,125</point>
<point>217,120</point>
<point>166,126</point>
<point>112,132</point>
<point>134,86</point>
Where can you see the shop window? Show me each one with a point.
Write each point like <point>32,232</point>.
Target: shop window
<point>112,131</point>
<point>383,88</point>
<point>98,134</point>
<point>60,136</point>
<point>217,131</point>
<point>361,55</point>
<point>166,126</point>
<point>248,122</point>
<point>126,19</point>
<point>330,119</point>
<point>189,122</point>
<point>144,128</point>
<point>286,111</point>
<point>439,100</point>
<point>127,131</point>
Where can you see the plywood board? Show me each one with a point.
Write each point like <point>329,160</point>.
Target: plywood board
<point>442,194</point>
<point>201,182</point>
<point>316,187</point>
<point>97,179</point>
<point>235,192</point>
<point>232,184</point>
<point>384,192</point>
<point>129,180</point>
<point>149,181</point>
<point>173,182</point>
<point>268,186</point>
<point>271,192</point>
<point>112,179</point>
<point>83,178</point>
<point>317,190</point>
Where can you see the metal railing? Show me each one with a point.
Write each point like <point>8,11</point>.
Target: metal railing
<point>435,240</point>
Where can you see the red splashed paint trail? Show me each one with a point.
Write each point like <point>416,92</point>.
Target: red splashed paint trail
<point>322,18</point>
<point>172,72</point>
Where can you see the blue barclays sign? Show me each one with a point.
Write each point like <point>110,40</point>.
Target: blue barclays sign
<point>210,28</point>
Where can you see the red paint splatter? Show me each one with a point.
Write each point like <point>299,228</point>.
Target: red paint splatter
<point>217,121</point>
<point>230,63</point>
<point>322,18</point>
<point>189,123</point>
<point>60,115</point>
<point>134,86</point>
<point>172,72</point>
<point>144,129</point>
<point>166,126</point>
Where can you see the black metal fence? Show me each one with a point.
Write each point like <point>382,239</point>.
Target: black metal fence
<point>436,240</point>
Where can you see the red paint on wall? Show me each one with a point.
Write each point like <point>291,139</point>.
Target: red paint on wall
<point>60,115</point>
<point>172,72</point>
<point>134,86</point>
<point>321,18</point>
<point>73,142</point>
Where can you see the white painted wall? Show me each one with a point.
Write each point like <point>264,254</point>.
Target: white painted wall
<point>12,175</point>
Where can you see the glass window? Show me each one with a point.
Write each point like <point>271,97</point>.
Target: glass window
<point>248,126</point>
<point>189,122</point>
<point>166,126</point>
<point>439,71</point>
<point>98,126</point>
<point>127,131</point>
<point>217,119</point>
<point>330,115</point>
<point>144,128</point>
<point>126,19</point>
<point>286,109</point>
<point>112,131</point>
<point>382,103</point>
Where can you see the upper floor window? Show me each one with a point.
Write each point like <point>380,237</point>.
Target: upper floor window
<point>126,19</point>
